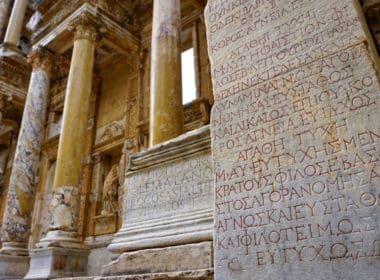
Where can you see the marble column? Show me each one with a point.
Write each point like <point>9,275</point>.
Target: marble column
<point>166,110</point>
<point>15,24</point>
<point>5,6</point>
<point>24,170</point>
<point>20,196</point>
<point>64,207</point>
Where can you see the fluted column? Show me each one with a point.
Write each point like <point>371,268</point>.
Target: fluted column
<point>15,22</point>
<point>166,110</point>
<point>16,220</point>
<point>5,6</point>
<point>64,207</point>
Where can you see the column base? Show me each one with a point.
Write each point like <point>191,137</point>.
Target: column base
<point>13,267</point>
<point>8,49</point>
<point>56,262</point>
<point>14,249</point>
<point>62,239</point>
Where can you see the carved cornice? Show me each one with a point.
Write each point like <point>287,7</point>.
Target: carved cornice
<point>14,72</point>
<point>86,26</point>
<point>41,58</point>
<point>57,38</point>
<point>121,12</point>
<point>188,144</point>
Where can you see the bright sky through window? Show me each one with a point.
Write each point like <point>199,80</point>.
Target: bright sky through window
<point>188,76</point>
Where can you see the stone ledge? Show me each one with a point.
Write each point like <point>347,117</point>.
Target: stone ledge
<point>203,274</point>
<point>188,144</point>
<point>176,259</point>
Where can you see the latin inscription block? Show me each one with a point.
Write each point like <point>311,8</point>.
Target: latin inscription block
<point>165,191</point>
<point>295,130</point>
<point>168,195</point>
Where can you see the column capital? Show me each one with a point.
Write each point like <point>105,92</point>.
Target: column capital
<point>86,26</point>
<point>41,58</point>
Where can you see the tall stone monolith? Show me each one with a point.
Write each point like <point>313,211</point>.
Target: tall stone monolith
<point>295,135</point>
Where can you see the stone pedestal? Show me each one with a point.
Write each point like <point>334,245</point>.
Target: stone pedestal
<point>56,262</point>
<point>296,140</point>
<point>167,209</point>
<point>13,266</point>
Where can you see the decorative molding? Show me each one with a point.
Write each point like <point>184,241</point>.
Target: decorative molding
<point>110,132</point>
<point>120,37</point>
<point>14,72</point>
<point>187,144</point>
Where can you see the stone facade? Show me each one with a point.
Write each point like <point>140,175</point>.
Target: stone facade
<point>271,172</point>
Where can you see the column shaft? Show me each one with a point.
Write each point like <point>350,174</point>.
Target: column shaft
<point>19,204</point>
<point>5,6</point>
<point>71,143</point>
<point>64,207</point>
<point>166,110</point>
<point>15,22</point>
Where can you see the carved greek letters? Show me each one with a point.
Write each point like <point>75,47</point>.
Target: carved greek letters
<point>296,139</point>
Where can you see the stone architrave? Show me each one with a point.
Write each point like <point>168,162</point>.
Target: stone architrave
<point>296,133</point>
<point>20,196</point>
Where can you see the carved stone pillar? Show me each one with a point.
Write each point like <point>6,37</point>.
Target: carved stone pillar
<point>62,243</point>
<point>166,112</point>
<point>20,196</point>
<point>15,24</point>
<point>5,6</point>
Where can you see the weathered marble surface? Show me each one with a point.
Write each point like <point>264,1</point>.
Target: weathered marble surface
<point>25,165</point>
<point>295,136</point>
<point>54,263</point>
<point>64,208</point>
<point>168,195</point>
